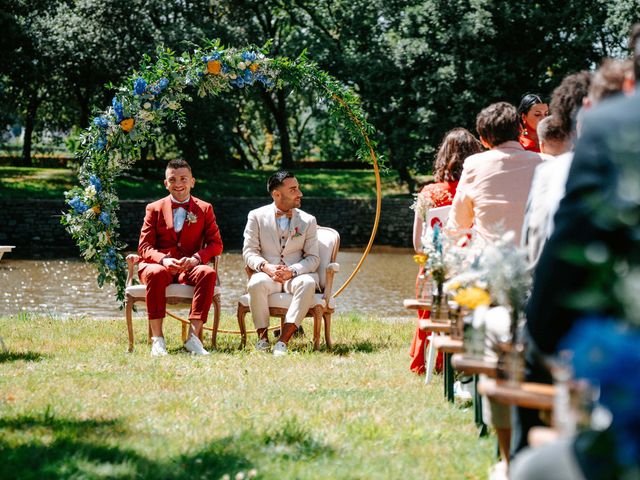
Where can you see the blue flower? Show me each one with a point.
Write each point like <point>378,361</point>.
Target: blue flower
<point>118,109</point>
<point>238,82</point>
<point>139,86</point>
<point>95,181</point>
<point>101,142</point>
<point>78,205</point>
<point>105,218</point>
<point>111,259</point>
<point>606,352</point>
<point>163,83</point>
<point>264,81</point>
<point>250,56</point>
<point>248,77</point>
<point>214,56</point>
<point>101,122</point>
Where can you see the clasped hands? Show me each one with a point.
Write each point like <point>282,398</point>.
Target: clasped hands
<point>278,273</point>
<point>176,266</point>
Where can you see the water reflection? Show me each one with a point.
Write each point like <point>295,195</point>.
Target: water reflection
<point>62,288</point>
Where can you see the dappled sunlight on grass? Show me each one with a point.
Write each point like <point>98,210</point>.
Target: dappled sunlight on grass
<point>85,408</point>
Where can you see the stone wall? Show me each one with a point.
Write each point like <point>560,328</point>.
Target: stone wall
<point>33,226</point>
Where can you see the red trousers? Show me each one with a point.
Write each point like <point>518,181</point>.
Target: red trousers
<point>157,278</point>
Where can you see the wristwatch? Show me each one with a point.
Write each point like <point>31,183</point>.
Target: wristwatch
<point>294,272</point>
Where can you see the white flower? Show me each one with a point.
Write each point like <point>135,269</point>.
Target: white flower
<point>90,191</point>
<point>191,217</point>
<point>242,65</point>
<point>233,76</point>
<point>173,105</point>
<point>147,105</point>
<point>147,116</point>
<point>89,253</point>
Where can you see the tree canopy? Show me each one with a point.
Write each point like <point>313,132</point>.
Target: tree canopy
<point>421,67</point>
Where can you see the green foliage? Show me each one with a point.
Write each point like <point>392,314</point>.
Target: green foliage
<point>154,94</point>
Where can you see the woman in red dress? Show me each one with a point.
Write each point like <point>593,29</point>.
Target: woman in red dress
<point>456,146</point>
<point>530,111</point>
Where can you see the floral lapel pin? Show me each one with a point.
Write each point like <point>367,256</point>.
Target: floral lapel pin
<point>191,217</point>
<point>296,232</point>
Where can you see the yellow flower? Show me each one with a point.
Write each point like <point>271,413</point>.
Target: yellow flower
<point>214,67</point>
<point>127,124</point>
<point>420,258</point>
<point>96,209</point>
<point>472,297</point>
<point>253,67</point>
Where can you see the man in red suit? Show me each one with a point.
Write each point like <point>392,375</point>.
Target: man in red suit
<point>178,238</point>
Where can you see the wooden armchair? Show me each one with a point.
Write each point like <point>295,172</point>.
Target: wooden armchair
<point>176,294</point>
<point>328,245</point>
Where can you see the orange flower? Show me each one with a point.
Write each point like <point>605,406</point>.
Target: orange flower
<point>214,67</point>
<point>96,209</point>
<point>253,67</point>
<point>127,124</point>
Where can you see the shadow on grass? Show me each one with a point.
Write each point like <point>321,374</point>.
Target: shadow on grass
<point>46,446</point>
<point>364,346</point>
<point>10,356</point>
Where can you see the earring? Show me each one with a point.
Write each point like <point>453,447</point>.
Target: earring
<point>525,132</point>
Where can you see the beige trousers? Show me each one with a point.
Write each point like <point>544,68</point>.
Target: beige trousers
<point>302,287</point>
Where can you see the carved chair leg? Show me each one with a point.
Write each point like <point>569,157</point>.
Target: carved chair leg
<point>216,321</point>
<point>327,329</point>
<point>317,326</point>
<point>241,314</point>
<point>128,315</point>
<point>185,331</point>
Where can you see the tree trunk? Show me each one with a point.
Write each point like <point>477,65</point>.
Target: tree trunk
<point>30,120</point>
<point>279,111</point>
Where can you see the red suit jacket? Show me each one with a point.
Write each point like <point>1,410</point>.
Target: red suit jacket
<point>158,238</point>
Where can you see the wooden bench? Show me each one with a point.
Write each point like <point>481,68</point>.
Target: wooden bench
<point>475,366</point>
<point>538,396</point>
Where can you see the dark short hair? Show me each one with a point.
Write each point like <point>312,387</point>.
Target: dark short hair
<point>457,145</point>
<point>634,46</point>
<point>567,97</point>
<point>498,123</point>
<point>278,179</point>
<point>178,163</point>
<point>528,101</point>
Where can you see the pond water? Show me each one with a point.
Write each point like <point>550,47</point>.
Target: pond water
<point>62,288</point>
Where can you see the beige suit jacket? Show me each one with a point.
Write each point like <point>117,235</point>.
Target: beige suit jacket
<point>493,190</point>
<point>261,242</point>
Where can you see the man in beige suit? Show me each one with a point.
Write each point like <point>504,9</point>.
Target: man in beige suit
<point>281,247</point>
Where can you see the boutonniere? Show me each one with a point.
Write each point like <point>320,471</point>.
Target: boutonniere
<point>296,232</point>
<point>191,217</point>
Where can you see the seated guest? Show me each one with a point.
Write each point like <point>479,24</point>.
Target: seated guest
<point>548,182</point>
<point>530,111</point>
<point>179,237</point>
<point>457,145</point>
<point>596,214</point>
<point>493,189</point>
<point>553,140</point>
<point>281,247</point>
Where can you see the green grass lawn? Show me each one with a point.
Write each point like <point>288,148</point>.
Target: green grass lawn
<point>19,182</point>
<point>73,404</point>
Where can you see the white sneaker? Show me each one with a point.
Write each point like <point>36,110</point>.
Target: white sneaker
<point>462,392</point>
<point>158,347</point>
<point>263,345</point>
<point>194,345</point>
<point>279,349</point>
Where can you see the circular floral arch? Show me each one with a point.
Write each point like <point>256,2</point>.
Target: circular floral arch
<point>154,94</point>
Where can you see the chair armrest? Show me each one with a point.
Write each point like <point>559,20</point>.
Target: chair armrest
<point>331,269</point>
<point>132,260</point>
